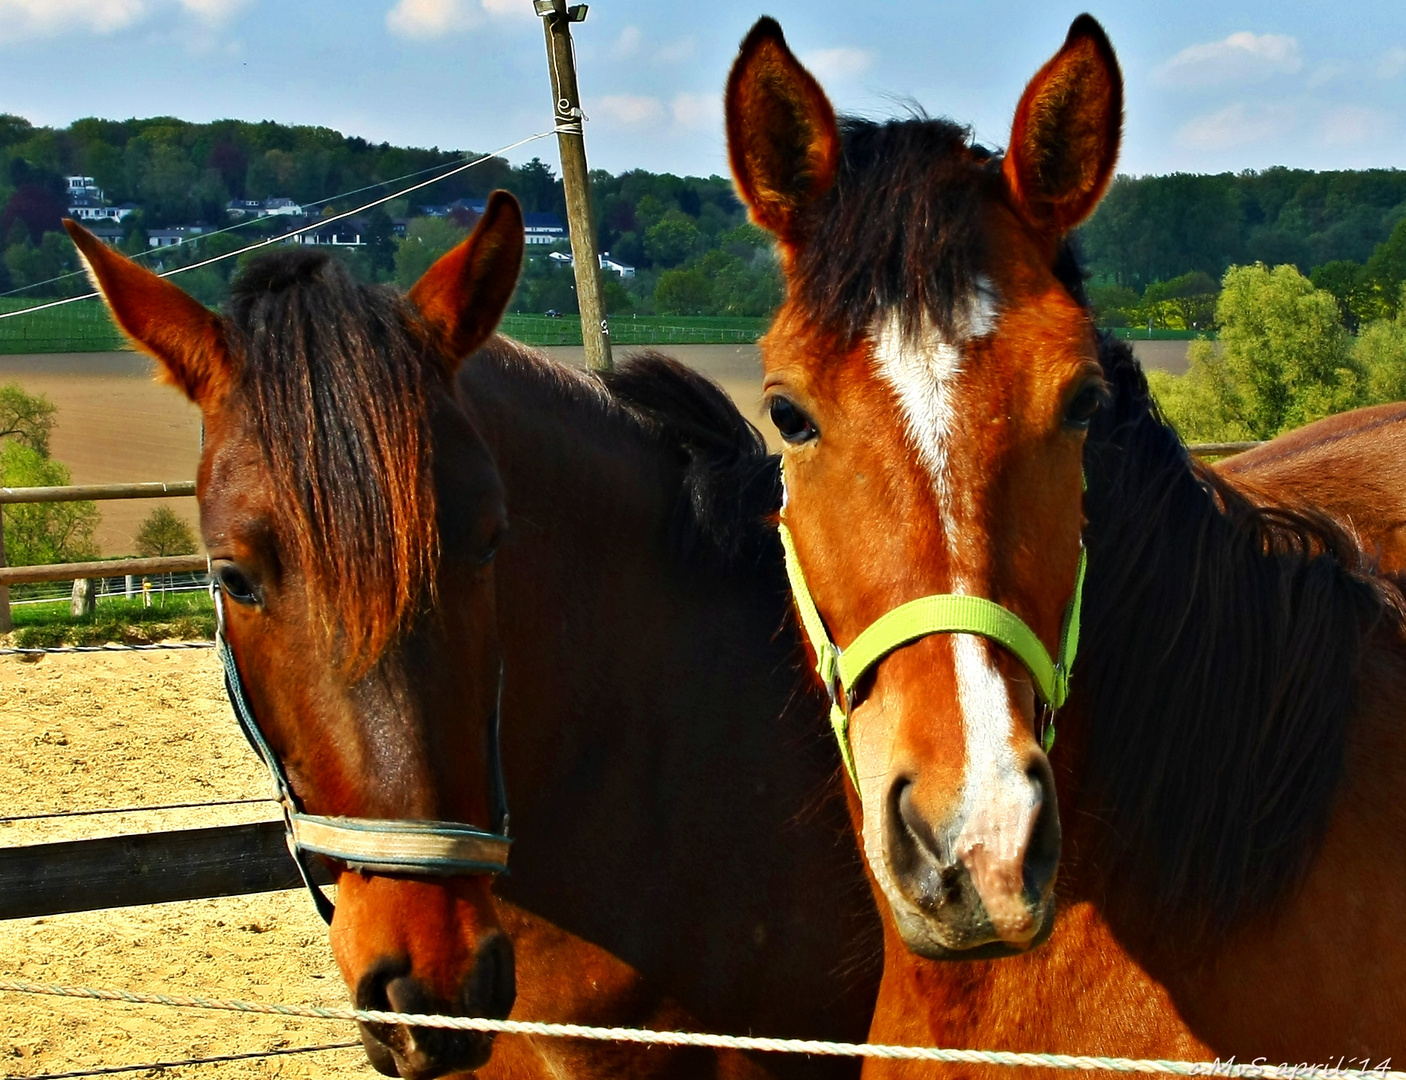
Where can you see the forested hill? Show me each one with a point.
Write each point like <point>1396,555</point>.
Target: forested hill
<point>180,172</point>
<point>686,238</point>
<point>1156,228</point>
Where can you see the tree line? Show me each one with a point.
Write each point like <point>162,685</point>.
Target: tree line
<point>1155,250</point>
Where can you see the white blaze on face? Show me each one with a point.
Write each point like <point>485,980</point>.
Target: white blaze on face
<point>993,822</point>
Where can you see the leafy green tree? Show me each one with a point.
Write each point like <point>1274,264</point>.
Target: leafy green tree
<point>1187,302</point>
<point>1348,283</point>
<point>163,533</point>
<point>683,292</point>
<point>1381,350</point>
<point>1386,269</point>
<point>672,240</point>
<point>426,239</point>
<point>26,418</point>
<point>1283,360</point>
<point>38,533</point>
<point>1112,304</point>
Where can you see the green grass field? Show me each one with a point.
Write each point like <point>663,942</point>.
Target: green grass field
<point>188,615</point>
<point>84,326</point>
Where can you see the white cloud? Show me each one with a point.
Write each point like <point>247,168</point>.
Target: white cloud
<point>674,52</point>
<point>1239,58</point>
<point>1392,63</point>
<point>1236,125</point>
<point>213,10</point>
<point>24,19</point>
<point>630,109</point>
<point>698,112</point>
<point>1351,125</point>
<point>832,65</point>
<point>509,9</point>
<point>627,44</point>
<point>422,19</point>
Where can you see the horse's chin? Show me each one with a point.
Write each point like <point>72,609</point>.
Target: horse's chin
<point>935,937</point>
<point>471,1050</point>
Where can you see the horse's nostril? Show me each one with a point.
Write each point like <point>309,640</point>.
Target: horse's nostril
<point>492,987</point>
<point>1042,853</point>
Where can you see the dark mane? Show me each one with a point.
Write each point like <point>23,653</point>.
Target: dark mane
<point>902,227</point>
<point>335,384</point>
<point>724,485</point>
<point>1220,659</point>
<point>730,484</point>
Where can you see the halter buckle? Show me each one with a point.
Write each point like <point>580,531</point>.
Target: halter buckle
<point>828,668</point>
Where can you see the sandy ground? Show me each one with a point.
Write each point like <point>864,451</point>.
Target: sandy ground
<point>94,731</point>
<point>116,424</point>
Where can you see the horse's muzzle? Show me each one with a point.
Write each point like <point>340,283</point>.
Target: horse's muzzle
<point>960,904</point>
<point>419,1053</point>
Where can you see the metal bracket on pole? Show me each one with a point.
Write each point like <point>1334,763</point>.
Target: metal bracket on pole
<point>557,18</point>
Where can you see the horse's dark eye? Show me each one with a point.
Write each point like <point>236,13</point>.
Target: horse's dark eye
<point>235,584</point>
<point>1084,405</point>
<point>794,425</point>
<point>494,543</point>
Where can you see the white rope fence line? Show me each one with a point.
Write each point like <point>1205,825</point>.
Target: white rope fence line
<point>1255,1071</point>
<point>110,647</point>
<point>283,237</point>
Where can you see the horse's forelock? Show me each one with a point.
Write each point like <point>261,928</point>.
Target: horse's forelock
<point>901,231</point>
<point>336,388</point>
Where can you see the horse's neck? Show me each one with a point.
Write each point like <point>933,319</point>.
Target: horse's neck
<point>1217,676</point>
<point>663,768</point>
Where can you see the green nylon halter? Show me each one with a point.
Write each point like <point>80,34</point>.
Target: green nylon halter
<point>840,669</point>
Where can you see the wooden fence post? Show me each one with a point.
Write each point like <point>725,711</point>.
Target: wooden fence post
<point>575,179</point>
<point>5,624</point>
<point>83,600</point>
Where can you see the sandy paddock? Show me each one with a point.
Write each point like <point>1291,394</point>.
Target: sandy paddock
<point>90,731</point>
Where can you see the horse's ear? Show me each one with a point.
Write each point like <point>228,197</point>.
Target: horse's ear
<point>1064,142</point>
<point>464,294</point>
<point>781,131</point>
<point>184,336</point>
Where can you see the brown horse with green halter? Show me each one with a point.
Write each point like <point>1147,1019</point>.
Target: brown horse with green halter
<point>1217,877</point>
<point>391,526</point>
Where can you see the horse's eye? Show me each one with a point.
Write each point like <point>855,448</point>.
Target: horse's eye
<point>1081,409</point>
<point>494,543</point>
<point>235,584</point>
<point>795,426</point>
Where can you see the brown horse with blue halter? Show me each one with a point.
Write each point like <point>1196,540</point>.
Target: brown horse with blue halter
<point>429,562</point>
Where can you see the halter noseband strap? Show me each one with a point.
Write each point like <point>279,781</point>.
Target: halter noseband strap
<point>373,845</point>
<point>841,669</point>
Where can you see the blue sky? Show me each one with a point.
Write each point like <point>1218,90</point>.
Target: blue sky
<point>1211,86</point>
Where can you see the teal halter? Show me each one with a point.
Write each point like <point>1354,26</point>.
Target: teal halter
<point>841,669</point>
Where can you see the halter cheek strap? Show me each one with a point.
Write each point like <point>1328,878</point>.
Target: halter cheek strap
<point>841,669</point>
<point>372,845</point>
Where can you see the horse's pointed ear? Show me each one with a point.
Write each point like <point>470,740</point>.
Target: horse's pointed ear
<point>184,336</point>
<point>781,132</point>
<point>1064,142</point>
<point>464,294</point>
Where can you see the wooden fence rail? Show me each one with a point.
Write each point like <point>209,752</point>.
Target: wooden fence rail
<point>147,868</point>
<point>82,493</point>
<point>105,568</point>
<point>97,492</point>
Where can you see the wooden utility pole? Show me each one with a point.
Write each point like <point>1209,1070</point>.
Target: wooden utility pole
<point>571,141</point>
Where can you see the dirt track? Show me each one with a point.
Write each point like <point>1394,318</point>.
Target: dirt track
<point>90,731</point>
